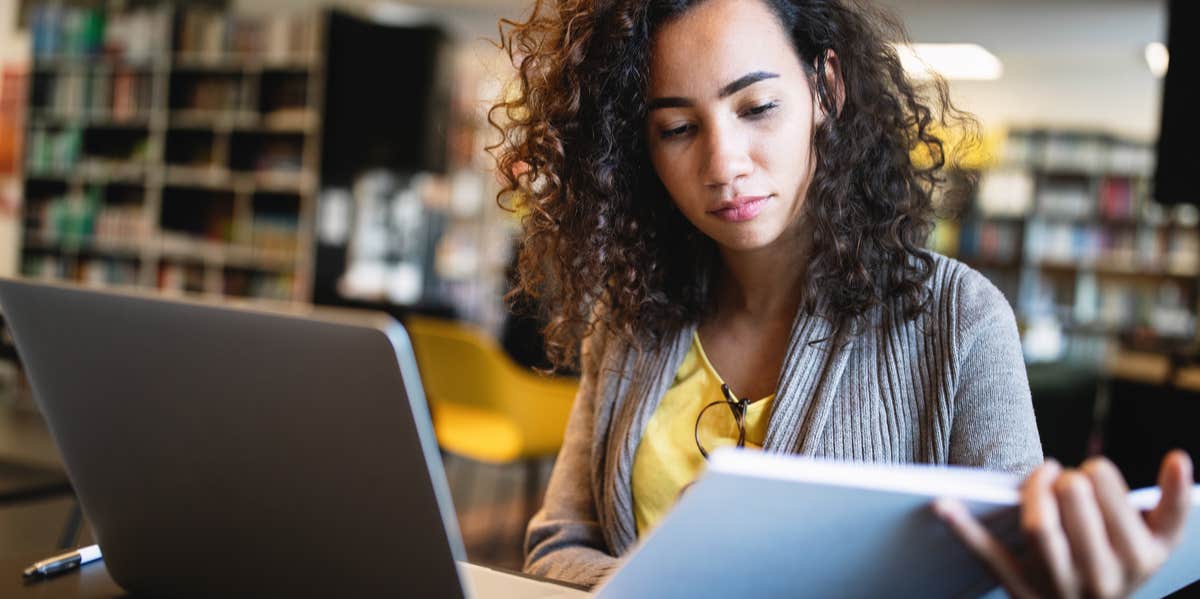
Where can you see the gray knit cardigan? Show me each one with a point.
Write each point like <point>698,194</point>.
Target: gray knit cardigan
<point>946,388</point>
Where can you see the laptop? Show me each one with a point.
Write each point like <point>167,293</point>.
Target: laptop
<point>236,451</point>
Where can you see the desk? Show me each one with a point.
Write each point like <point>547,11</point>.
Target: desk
<point>93,582</point>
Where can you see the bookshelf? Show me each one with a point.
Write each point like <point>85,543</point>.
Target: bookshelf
<point>175,147</point>
<point>1064,224</point>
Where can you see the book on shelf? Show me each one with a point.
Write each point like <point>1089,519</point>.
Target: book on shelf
<point>1131,158</point>
<point>132,93</point>
<point>991,242</point>
<point>1068,151</point>
<point>93,95</point>
<point>275,233</point>
<point>87,220</point>
<point>104,100</point>
<point>90,269</point>
<point>1149,250</point>
<point>202,33</point>
<point>1069,199</point>
<point>140,36</point>
<point>1116,199</point>
<point>66,31</point>
<point>109,272</point>
<point>1074,212</point>
<point>41,266</point>
<point>1182,252</point>
<point>212,94</point>
<point>1080,152</point>
<point>181,278</point>
<point>288,37</point>
<point>209,35</point>
<point>72,32</point>
<point>181,205</point>
<point>51,151</point>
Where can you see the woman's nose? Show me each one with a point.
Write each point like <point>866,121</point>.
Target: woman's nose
<point>727,156</point>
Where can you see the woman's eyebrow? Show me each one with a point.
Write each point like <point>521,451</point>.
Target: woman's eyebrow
<point>743,82</point>
<point>726,91</point>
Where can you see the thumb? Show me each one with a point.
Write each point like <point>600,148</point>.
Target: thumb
<point>1175,480</point>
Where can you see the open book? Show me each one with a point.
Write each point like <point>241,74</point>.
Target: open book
<point>768,525</point>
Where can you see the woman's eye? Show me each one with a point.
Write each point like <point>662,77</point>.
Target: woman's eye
<point>761,110</point>
<point>669,133</point>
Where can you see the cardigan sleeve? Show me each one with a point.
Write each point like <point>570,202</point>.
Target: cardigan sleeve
<point>994,425</point>
<point>564,540</point>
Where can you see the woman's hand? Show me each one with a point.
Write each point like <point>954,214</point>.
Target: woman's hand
<point>1084,538</point>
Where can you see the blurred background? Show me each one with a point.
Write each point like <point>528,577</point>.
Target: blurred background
<point>332,152</point>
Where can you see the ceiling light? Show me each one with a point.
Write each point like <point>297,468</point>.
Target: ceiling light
<point>952,61</point>
<point>1157,58</point>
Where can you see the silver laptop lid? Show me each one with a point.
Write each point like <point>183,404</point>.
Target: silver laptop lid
<point>233,452</point>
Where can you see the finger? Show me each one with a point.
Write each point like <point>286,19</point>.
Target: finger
<point>995,556</point>
<point>1175,480</point>
<point>1091,548</point>
<point>1131,539</point>
<point>1042,527</point>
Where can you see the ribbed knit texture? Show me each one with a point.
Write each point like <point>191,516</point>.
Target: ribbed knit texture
<point>947,388</point>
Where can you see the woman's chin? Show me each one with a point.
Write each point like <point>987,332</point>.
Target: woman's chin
<point>750,241</point>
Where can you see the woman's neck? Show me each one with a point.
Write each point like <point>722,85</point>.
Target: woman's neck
<point>763,284</point>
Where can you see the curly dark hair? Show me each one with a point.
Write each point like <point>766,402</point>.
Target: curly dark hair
<point>599,229</point>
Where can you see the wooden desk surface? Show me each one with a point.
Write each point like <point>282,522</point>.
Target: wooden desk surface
<point>89,582</point>
<point>92,581</point>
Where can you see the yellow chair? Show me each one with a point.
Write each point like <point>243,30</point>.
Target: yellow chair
<point>484,406</point>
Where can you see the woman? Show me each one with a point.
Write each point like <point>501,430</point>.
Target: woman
<point>727,195</point>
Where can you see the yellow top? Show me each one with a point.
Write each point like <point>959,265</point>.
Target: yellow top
<point>667,459</point>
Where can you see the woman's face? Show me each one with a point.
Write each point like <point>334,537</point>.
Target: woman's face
<point>730,121</point>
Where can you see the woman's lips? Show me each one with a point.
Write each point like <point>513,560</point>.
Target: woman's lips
<point>742,208</point>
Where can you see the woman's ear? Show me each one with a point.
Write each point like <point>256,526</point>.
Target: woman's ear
<point>828,68</point>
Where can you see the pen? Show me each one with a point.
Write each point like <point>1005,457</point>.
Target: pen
<point>53,566</point>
